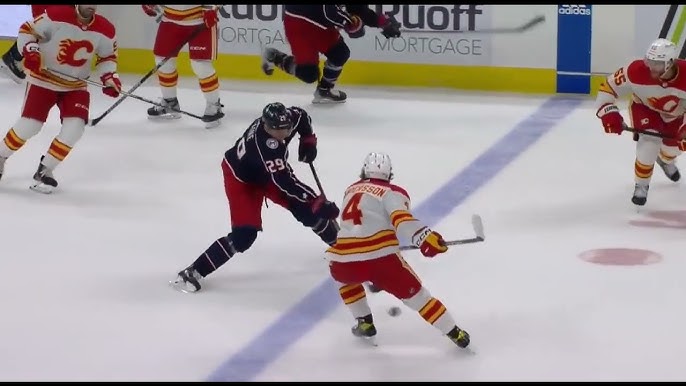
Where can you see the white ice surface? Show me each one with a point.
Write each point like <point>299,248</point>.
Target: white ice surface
<point>85,270</point>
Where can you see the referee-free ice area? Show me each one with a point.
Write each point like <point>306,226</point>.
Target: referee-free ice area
<point>86,269</point>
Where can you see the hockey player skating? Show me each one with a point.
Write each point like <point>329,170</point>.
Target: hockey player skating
<point>197,25</point>
<point>375,213</point>
<point>312,30</point>
<point>657,85</point>
<point>256,168</point>
<point>66,40</point>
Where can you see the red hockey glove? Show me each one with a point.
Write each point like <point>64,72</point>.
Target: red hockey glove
<point>390,28</point>
<point>112,84</point>
<point>307,149</point>
<point>32,57</point>
<point>430,243</point>
<point>611,118</point>
<point>211,17</point>
<point>150,10</point>
<point>321,207</point>
<point>355,28</point>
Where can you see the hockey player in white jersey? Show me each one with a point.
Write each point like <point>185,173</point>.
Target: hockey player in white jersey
<point>657,85</point>
<point>65,40</point>
<point>375,212</point>
<point>197,25</point>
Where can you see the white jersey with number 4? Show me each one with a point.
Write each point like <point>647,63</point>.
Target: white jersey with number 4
<point>375,213</point>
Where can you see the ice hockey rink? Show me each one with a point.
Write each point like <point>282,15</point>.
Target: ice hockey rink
<point>85,270</point>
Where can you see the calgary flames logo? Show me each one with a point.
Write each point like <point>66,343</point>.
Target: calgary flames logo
<point>668,103</point>
<point>70,48</point>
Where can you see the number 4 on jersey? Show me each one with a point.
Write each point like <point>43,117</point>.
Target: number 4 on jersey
<point>352,211</point>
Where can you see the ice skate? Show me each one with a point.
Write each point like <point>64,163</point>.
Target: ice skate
<point>12,69</point>
<point>169,109</point>
<point>2,166</point>
<point>670,169</point>
<point>327,95</point>
<point>187,281</point>
<point>640,195</point>
<point>213,114</point>
<point>271,57</point>
<point>365,329</point>
<point>459,337</point>
<point>45,182</point>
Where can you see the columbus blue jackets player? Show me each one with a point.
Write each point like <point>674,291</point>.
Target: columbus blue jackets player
<point>312,30</point>
<point>255,169</point>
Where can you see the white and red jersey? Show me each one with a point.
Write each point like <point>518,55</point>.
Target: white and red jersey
<point>69,47</point>
<point>664,97</point>
<point>375,213</point>
<point>185,14</point>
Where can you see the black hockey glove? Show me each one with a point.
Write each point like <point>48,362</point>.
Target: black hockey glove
<point>390,28</point>
<point>307,149</point>
<point>323,208</point>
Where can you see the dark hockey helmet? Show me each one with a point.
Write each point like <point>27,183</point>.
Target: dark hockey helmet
<point>276,116</point>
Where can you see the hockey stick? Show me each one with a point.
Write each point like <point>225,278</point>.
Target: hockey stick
<point>506,30</point>
<point>195,33</point>
<point>478,226</point>
<point>648,133</point>
<point>321,189</point>
<point>127,94</point>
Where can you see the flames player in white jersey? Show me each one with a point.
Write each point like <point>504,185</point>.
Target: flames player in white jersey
<point>375,212</point>
<point>179,24</point>
<point>657,85</point>
<point>67,40</point>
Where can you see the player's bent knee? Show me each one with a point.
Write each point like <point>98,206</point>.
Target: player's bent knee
<point>168,67</point>
<point>339,54</point>
<point>416,301</point>
<point>26,128</point>
<point>72,130</point>
<point>202,68</point>
<point>308,73</point>
<point>243,238</point>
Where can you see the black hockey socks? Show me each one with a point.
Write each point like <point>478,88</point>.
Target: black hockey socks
<point>215,256</point>
<point>330,75</point>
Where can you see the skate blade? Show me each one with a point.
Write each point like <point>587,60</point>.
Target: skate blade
<point>212,125</point>
<point>326,101</point>
<point>7,73</point>
<point>369,340</point>
<point>181,288</point>
<point>165,117</point>
<point>42,188</point>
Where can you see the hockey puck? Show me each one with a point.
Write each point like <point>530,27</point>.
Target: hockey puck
<point>394,311</point>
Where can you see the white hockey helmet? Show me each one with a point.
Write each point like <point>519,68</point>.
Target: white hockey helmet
<point>377,165</point>
<point>661,56</point>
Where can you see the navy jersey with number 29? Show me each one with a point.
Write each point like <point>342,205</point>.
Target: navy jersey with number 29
<point>260,159</point>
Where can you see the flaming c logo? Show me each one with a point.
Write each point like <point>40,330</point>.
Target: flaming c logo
<point>70,48</point>
<point>667,104</point>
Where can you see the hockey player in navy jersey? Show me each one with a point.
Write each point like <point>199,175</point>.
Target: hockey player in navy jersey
<point>256,168</point>
<point>312,30</point>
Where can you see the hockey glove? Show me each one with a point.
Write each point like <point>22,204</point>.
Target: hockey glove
<point>355,28</point>
<point>682,137</point>
<point>32,57</point>
<point>150,10</point>
<point>323,208</point>
<point>611,118</point>
<point>210,17</point>
<point>430,243</point>
<point>112,84</point>
<point>307,149</point>
<point>390,28</point>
